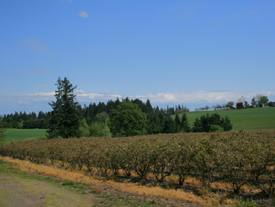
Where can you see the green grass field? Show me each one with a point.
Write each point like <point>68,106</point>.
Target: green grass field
<point>250,119</point>
<point>21,134</point>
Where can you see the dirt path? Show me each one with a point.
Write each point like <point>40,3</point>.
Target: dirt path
<point>23,192</point>
<point>15,191</point>
<point>29,189</point>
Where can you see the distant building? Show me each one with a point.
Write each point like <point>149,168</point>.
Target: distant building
<point>240,105</point>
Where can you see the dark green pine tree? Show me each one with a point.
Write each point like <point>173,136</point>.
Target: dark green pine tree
<point>184,125</point>
<point>177,123</point>
<point>149,108</point>
<point>197,127</point>
<point>226,124</point>
<point>154,123</point>
<point>64,119</point>
<point>169,124</point>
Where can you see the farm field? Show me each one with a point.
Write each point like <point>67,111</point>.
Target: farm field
<point>250,119</point>
<point>193,167</point>
<point>22,134</point>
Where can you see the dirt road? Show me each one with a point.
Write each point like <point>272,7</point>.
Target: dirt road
<point>29,189</point>
<point>15,191</point>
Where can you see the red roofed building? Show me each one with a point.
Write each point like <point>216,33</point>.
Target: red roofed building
<point>240,105</point>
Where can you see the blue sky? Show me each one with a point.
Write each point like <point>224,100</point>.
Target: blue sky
<point>193,53</point>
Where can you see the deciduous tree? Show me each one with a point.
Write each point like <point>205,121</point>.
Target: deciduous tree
<point>230,105</point>
<point>127,119</point>
<point>262,100</point>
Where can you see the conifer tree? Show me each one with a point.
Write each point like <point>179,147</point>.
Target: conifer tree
<point>226,124</point>
<point>169,124</point>
<point>184,123</point>
<point>177,123</point>
<point>64,120</point>
<point>149,108</point>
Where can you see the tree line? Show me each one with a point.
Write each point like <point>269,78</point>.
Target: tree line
<point>115,118</point>
<point>22,120</point>
<point>92,113</point>
<point>257,101</point>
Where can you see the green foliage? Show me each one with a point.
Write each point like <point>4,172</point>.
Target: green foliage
<point>197,126</point>
<point>20,124</point>
<point>225,123</point>
<point>9,123</point>
<point>84,129</point>
<point>230,105</point>
<point>154,123</point>
<point>251,203</point>
<point>127,120</point>
<point>177,123</point>
<point>215,128</point>
<point>2,129</point>
<point>205,123</point>
<point>102,117</point>
<point>64,119</point>
<point>261,100</point>
<point>99,129</point>
<point>169,124</point>
<point>184,125</point>
<point>95,130</point>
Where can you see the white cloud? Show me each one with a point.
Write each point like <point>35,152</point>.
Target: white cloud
<point>200,97</point>
<point>41,94</point>
<point>83,14</point>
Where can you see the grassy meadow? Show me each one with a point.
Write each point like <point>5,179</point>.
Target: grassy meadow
<point>22,134</point>
<point>250,119</point>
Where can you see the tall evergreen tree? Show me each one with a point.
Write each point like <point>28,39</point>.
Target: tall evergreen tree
<point>149,108</point>
<point>226,124</point>
<point>184,123</point>
<point>197,127</point>
<point>169,124</point>
<point>154,123</point>
<point>177,123</point>
<point>64,119</point>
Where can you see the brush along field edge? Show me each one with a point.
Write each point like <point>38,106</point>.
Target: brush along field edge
<point>75,176</point>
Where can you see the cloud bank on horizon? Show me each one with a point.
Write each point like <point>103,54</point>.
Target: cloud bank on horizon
<point>31,100</point>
